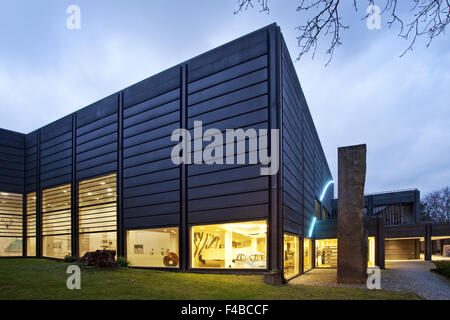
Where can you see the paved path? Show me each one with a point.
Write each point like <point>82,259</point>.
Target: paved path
<point>410,276</point>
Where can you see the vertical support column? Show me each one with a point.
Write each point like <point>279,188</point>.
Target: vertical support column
<point>370,212</point>
<point>24,224</point>
<point>352,244</point>
<point>184,228</point>
<point>121,250</point>
<point>275,235</point>
<point>428,243</point>
<point>74,188</point>
<point>301,255</point>
<point>38,198</point>
<point>380,244</point>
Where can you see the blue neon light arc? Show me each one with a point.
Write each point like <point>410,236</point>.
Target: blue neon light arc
<point>311,228</point>
<point>325,189</point>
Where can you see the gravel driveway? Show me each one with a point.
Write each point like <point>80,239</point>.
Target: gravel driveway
<point>411,276</point>
<point>415,276</point>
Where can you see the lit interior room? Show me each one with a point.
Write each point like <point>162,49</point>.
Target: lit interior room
<point>231,245</point>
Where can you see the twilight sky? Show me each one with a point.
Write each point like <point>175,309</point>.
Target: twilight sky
<point>399,107</point>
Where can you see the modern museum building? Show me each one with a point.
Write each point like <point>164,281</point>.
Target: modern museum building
<point>104,176</point>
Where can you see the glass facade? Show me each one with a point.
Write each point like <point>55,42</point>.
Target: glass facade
<point>11,224</point>
<point>97,214</point>
<point>371,255</point>
<point>156,248</point>
<point>326,253</point>
<point>307,255</point>
<point>291,256</point>
<point>56,222</point>
<point>239,245</point>
<point>31,224</point>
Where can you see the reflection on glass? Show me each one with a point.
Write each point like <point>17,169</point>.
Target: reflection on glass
<point>56,222</point>
<point>153,248</point>
<point>56,246</point>
<point>371,256</point>
<point>97,214</point>
<point>90,242</point>
<point>231,245</point>
<point>326,253</point>
<point>11,220</point>
<point>291,256</point>
<point>31,247</point>
<point>10,247</point>
<point>307,254</point>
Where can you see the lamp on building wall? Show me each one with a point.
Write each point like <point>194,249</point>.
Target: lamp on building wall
<point>311,228</point>
<point>325,189</point>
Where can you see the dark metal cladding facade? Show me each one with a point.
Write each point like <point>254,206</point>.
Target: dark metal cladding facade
<point>247,83</point>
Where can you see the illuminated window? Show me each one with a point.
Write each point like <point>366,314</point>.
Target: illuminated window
<point>291,256</point>
<point>97,214</point>
<point>31,224</point>
<point>307,254</point>
<point>231,245</point>
<point>371,256</point>
<point>11,220</point>
<point>153,248</point>
<point>56,222</point>
<point>326,253</point>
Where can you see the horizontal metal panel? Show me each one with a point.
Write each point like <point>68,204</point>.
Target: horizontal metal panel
<point>156,112</point>
<point>230,111</point>
<point>147,189</point>
<point>56,157</point>
<point>236,187</point>
<point>227,74</point>
<point>228,86</point>
<point>56,172</point>
<point>98,170</point>
<point>56,140</point>
<point>15,151</point>
<point>234,200</point>
<point>150,135</point>
<point>292,227</point>
<point>97,152</point>
<point>150,146</point>
<point>154,210</point>
<point>56,181</point>
<point>57,148</point>
<point>56,165</point>
<point>98,110</point>
<point>228,55</point>
<point>152,221</point>
<point>160,100</point>
<point>155,177</point>
<point>98,161</point>
<point>148,167</point>
<point>12,139</point>
<point>228,99</point>
<point>7,158</point>
<point>105,140</point>
<point>229,214</point>
<point>154,86</point>
<point>5,163</point>
<point>147,157</point>
<point>97,133</point>
<point>152,124</point>
<point>56,129</point>
<point>246,172</point>
<point>152,199</point>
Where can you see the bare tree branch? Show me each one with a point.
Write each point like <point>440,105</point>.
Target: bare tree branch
<point>428,19</point>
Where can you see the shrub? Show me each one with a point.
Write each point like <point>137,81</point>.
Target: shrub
<point>443,267</point>
<point>71,259</point>
<point>122,262</point>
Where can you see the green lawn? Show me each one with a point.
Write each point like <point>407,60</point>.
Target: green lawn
<point>43,279</point>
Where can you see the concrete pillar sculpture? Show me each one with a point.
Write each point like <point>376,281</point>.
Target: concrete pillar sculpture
<point>352,246</point>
